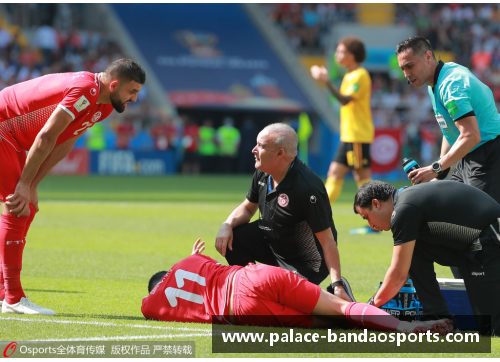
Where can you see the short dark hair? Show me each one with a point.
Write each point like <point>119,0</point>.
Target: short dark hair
<point>355,46</point>
<point>379,190</point>
<point>418,45</point>
<point>126,70</point>
<point>155,279</point>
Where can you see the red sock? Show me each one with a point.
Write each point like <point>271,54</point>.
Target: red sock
<point>2,284</point>
<point>12,243</point>
<point>370,317</point>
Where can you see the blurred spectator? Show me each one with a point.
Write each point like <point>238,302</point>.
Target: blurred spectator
<point>471,32</point>
<point>124,132</point>
<point>141,141</point>
<point>431,137</point>
<point>228,139</point>
<point>164,133</point>
<point>47,40</point>
<point>246,159</point>
<point>190,142</point>
<point>96,137</point>
<point>208,147</point>
<point>307,25</point>
<point>6,40</point>
<point>27,72</point>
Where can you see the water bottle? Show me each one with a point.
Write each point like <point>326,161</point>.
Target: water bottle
<point>409,165</point>
<point>405,305</point>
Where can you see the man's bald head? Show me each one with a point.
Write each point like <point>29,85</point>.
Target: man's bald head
<point>284,137</point>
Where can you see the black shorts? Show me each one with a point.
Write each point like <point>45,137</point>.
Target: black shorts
<point>355,155</point>
<point>191,157</point>
<point>481,169</point>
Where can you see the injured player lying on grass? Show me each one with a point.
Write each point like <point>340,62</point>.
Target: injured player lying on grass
<point>199,289</point>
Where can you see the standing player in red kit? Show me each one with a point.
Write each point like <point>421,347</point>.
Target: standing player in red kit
<point>45,116</point>
<point>199,289</point>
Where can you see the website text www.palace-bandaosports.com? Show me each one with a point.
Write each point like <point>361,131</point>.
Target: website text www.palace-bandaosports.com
<point>336,337</point>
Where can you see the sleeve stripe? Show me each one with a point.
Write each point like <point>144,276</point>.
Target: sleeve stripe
<point>67,110</point>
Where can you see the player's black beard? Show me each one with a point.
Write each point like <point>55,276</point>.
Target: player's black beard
<point>117,104</point>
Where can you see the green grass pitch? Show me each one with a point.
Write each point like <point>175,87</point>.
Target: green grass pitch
<point>97,240</point>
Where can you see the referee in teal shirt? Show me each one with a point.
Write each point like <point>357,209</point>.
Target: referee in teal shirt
<point>465,111</point>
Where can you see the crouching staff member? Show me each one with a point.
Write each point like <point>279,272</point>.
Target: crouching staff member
<point>446,222</point>
<point>295,229</point>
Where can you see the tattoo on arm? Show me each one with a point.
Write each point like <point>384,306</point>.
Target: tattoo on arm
<point>336,93</point>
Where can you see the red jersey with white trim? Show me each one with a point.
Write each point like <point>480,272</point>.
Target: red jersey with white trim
<point>25,107</point>
<point>194,290</point>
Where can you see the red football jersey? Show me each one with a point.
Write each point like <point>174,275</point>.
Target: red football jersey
<point>193,290</point>
<point>26,107</point>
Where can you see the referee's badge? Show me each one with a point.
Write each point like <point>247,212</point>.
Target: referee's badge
<point>442,122</point>
<point>283,200</point>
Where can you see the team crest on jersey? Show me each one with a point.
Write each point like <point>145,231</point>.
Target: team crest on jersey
<point>313,199</point>
<point>393,214</point>
<point>283,200</point>
<point>93,92</point>
<point>96,117</point>
<point>81,104</point>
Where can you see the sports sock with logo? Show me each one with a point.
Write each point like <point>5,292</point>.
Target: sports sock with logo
<point>370,317</point>
<point>333,188</point>
<point>362,182</point>
<point>12,231</point>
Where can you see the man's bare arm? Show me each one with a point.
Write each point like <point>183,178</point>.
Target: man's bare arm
<point>397,275</point>
<point>321,74</point>
<point>335,91</point>
<point>241,215</point>
<point>57,155</point>
<point>332,260</point>
<point>468,139</point>
<point>42,146</point>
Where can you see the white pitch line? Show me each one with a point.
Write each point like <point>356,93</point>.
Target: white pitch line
<point>122,337</point>
<point>104,324</point>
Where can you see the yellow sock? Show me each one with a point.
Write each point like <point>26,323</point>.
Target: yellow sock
<point>362,182</point>
<point>333,188</point>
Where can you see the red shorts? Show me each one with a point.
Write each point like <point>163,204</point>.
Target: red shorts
<point>11,167</point>
<point>272,296</point>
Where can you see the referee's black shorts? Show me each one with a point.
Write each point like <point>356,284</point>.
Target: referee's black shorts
<point>356,155</point>
<point>250,245</point>
<point>481,168</point>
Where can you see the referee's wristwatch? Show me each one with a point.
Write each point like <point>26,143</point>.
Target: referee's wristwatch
<point>436,167</point>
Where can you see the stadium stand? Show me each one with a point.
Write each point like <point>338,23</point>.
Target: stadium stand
<point>468,34</point>
<point>37,39</point>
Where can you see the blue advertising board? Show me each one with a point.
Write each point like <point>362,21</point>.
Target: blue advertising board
<point>210,55</point>
<point>125,162</point>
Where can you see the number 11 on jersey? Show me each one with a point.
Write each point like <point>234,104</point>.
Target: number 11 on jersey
<point>173,293</point>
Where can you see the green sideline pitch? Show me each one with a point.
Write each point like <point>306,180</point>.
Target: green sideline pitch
<point>97,240</point>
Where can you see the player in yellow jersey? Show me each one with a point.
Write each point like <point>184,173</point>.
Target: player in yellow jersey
<point>356,125</point>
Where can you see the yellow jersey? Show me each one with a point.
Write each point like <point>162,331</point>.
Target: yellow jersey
<point>356,124</point>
